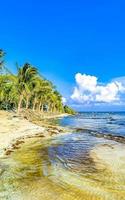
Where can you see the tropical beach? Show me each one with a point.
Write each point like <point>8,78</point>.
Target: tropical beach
<point>62,100</point>
<point>57,154</point>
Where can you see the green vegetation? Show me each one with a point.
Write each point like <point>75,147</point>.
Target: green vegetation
<point>69,110</point>
<point>28,90</point>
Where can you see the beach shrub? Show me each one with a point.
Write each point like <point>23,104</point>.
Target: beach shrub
<point>69,110</point>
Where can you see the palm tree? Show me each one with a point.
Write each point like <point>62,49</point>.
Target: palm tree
<point>40,89</point>
<point>59,104</point>
<point>46,88</point>
<point>24,76</point>
<point>7,84</point>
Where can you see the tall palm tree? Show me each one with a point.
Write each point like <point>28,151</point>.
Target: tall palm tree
<point>25,74</point>
<point>40,89</point>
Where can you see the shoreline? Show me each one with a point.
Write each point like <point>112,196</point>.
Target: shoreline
<point>15,129</point>
<point>106,166</point>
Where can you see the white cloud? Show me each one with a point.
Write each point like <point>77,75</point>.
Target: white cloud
<point>88,90</point>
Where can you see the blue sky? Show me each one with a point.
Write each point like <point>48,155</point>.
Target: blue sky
<point>64,38</point>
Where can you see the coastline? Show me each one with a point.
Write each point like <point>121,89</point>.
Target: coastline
<point>106,160</point>
<point>15,129</point>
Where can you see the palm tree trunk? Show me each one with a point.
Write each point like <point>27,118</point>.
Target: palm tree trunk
<point>40,106</point>
<point>27,102</point>
<point>34,104</point>
<point>20,103</point>
<point>50,107</point>
<point>54,109</point>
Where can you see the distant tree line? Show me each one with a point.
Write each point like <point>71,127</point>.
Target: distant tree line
<point>28,89</point>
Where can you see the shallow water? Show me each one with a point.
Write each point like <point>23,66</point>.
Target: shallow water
<point>64,168</point>
<point>103,122</point>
